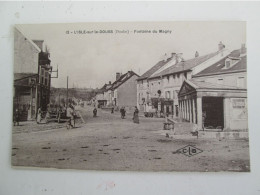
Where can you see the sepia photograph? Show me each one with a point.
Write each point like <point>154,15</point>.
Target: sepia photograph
<point>131,96</point>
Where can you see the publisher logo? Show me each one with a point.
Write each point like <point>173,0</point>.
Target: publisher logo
<point>189,150</point>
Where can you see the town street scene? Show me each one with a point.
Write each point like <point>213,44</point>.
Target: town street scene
<point>143,96</point>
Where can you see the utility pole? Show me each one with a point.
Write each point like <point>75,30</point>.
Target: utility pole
<point>67,92</point>
<point>59,100</point>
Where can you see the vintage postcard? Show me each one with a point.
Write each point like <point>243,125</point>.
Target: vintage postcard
<point>133,96</point>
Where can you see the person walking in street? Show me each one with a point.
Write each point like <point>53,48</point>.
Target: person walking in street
<point>136,117</point>
<point>95,112</point>
<point>48,116</point>
<point>73,118</point>
<point>39,115</point>
<point>70,115</point>
<point>204,115</point>
<point>16,117</point>
<point>122,111</point>
<point>112,110</point>
<point>59,114</point>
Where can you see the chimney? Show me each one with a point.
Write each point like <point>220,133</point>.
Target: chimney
<point>221,46</point>
<point>197,54</point>
<point>118,75</point>
<point>172,55</point>
<point>178,57</point>
<point>165,57</point>
<point>243,49</point>
<point>109,82</point>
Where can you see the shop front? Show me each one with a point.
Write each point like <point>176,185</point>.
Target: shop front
<point>163,105</point>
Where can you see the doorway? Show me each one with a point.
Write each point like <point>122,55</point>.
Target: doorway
<point>213,112</point>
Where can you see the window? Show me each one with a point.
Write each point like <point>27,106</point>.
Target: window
<point>167,94</point>
<point>42,75</point>
<point>178,78</point>
<point>46,78</point>
<point>241,82</point>
<point>228,62</point>
<point>173,94</point>
<point>185,75</point>
<point>220,81</point>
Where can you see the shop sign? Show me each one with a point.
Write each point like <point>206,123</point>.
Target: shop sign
<point>238,103</point>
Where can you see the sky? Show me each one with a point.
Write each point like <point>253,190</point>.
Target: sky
<point>92,59</point>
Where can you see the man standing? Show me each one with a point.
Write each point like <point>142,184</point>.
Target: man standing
<point>136,117</point>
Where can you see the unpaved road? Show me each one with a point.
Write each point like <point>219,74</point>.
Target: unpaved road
<point>108,142</point>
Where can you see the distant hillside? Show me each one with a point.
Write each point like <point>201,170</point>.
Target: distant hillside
<point>59,94</point>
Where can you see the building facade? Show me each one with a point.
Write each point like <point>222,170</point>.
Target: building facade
<point>32,76</point>
<point>216,97</point>
<point>163,84</point>
<point>122,92</point>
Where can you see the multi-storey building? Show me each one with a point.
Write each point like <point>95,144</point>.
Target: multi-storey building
<point>32,75</point>
<point>216,97</point>
<point>122,92</point>
<point>164,82</point>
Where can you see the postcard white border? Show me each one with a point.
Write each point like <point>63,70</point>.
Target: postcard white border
<point>52,181</point>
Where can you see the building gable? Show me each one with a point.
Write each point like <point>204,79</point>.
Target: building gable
<point>186,88</point>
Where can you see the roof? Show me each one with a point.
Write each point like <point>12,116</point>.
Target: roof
<point>218,67</point>
<point>34,45</point>
<point>20,76</point>
<point>122,79</point>
<point>185,65</point>
<point>153,69</point>
<point>206,85</point>
<point>191,86</point>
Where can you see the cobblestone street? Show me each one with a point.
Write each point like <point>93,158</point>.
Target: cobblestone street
<point>108,142</point>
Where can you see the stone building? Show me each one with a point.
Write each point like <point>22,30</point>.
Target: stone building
<point>144,86</point>
<point>102,96</point>
<point>165,79</point>
<point>123,91</point>
<point>32,75</point>
<point>216,97</point>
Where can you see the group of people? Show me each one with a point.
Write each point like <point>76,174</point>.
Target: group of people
<point>70,115</point>
<point>123,112</point>
<point>40,115</point>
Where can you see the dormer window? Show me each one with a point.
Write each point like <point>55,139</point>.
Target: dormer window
<point>227,63</point>
<point>230,61</point>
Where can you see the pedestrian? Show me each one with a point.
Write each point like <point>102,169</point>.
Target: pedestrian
<point>47,116</point>
<point>70,116</point>
<point>16,117</point>
<point>73,116</point>
<point>204,115</point>
<point>95,112</point>
<point>59,114</point>
<point>136,117</point>
<point>122,111</point>
<point>39,115</point>
<point>112,110</point>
